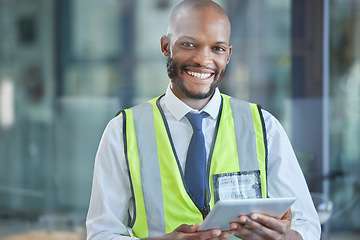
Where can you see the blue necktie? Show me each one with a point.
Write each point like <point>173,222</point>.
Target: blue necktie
<point>195,168</point>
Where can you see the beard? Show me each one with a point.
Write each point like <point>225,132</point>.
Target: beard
<point>175,71</point>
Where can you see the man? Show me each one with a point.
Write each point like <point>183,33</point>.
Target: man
<point>141,188</point>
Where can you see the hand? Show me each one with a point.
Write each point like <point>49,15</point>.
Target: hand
<point>190,232</point>
<point>259,226</point>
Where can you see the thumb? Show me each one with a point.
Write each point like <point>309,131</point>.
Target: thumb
<point>287,215</point>
<point>188,228</point>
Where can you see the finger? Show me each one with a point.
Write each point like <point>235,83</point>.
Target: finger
<point>254,229</point>
<point>192,233</point>
<point>224,235</point>
<point>278,225</point>
<point>240,230</point>
<point>210,234</point>
<point>265,225</point>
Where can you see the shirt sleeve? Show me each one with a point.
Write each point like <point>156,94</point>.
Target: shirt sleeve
<point>110,196</point>
<point>285,179</point>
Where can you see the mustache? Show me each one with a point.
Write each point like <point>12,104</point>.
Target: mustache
<point>198,66</point>
<point>173,67</point>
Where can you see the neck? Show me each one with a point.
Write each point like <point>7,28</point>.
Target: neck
<point>194,103</point>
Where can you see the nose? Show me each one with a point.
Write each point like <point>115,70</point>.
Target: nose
<point>203,57</point>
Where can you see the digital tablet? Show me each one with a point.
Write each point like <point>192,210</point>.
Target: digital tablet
<point>226,211</point>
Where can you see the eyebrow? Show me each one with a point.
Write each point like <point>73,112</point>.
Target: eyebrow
<point>191,38</point>
<point>194,39</point>
<point>223,42</point>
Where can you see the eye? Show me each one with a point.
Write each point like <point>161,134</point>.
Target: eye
<point>219,49</point>
<point>187,44</point>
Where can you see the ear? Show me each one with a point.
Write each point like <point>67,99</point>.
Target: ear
<point>229,54</point>
<point>165,45</point>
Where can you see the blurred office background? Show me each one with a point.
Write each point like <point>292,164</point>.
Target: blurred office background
<point>67,66</point>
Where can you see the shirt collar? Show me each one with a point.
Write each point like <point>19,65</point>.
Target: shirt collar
<point>179,109</point>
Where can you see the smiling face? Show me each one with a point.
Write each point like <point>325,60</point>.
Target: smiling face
<point>198,50</point>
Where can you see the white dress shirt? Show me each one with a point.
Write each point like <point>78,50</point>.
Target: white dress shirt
<point>110,198</point>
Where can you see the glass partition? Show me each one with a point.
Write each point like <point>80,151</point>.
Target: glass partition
<point>345,114</point>
<point>67,66</point>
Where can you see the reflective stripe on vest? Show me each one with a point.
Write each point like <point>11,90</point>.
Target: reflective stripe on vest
<point>239,138</point>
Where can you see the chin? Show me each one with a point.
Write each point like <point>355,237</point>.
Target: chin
<point>199,94</point>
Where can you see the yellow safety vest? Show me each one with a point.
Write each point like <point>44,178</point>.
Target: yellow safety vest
<point>161,202</point>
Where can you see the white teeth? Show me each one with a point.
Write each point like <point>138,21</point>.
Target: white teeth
<point>199,75</point>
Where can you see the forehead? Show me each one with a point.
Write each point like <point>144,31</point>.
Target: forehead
<point>202,24</point>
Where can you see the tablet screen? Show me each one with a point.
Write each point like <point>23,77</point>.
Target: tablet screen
<point>226,211</point>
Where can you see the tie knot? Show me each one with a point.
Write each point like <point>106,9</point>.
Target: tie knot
<point>196,119</point>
